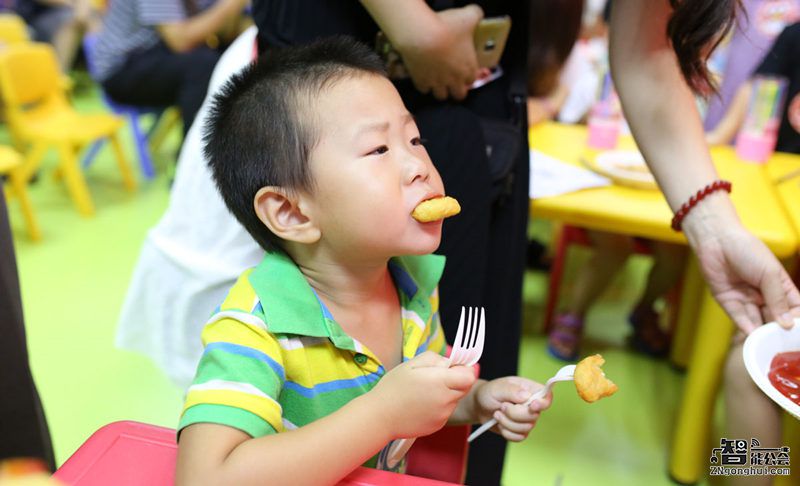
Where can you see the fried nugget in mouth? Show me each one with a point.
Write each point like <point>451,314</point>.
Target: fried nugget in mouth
<point>591,382</point>
<point>436,209</point>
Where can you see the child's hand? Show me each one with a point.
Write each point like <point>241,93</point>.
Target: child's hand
<point>502,399</point>
<point>417,397</point>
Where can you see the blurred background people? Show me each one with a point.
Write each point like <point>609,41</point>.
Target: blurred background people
<point>758,24</point>
<point>782,60</point>
<point>159,53</point>
<point>61,23</point>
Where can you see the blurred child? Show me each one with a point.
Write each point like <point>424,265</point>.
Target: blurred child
<point>758,24</point>
<point>333,339</point>
<point>610,253</point>
<point>783,60</point>
<point>750,413</point>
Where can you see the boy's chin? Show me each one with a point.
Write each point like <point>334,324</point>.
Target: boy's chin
<point>423,246</point>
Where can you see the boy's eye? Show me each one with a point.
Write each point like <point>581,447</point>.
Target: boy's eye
<point>418,141</point>
<point>380,150</point>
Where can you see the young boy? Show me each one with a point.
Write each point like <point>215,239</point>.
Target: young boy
<point>331,348</point>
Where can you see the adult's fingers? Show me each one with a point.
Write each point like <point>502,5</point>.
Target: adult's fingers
<point>458,91</point>
<point>743,318</point>
<point>775,298</point>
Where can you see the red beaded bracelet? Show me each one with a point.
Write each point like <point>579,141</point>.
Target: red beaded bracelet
<point>677,220</point>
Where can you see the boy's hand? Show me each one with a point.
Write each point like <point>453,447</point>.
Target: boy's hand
<point>503,400</point>
<point>417,397</point>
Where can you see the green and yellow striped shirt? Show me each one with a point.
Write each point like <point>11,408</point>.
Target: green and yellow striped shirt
<point>275,359</point>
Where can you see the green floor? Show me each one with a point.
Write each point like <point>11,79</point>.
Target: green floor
<point>73,283</point>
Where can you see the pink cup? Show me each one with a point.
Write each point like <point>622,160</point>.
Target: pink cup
<point>754,147</point>
<point>603,132</point>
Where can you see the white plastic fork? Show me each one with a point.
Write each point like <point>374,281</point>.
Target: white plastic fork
<point>566,373</point>
<point>467,350</point>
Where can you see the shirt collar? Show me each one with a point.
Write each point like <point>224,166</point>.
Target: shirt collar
<point>290,305</point>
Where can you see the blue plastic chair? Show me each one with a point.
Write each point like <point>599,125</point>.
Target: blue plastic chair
<point>132,113</point>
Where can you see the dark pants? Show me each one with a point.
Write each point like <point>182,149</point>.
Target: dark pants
<point>23,429</point>
<point>485,244</point>
<point>159,77</point>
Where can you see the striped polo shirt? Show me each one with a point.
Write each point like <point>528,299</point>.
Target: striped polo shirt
<point>275,359</point>
<point>130,26</point>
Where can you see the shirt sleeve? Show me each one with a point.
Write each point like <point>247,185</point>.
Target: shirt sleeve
<point>778,60</point>
<point>239,378</point>
<point>158,12</point>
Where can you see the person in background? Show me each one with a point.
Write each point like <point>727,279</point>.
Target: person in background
<point>749,411</point>
<point>23,427</point>
<point>758,24</point>
<point>609,253</point>
<point>551,44</point>
<point>567,60</point>
<point>782,60</point>
<point>61,23</point>
<point>334,337</point>
<point>742,274</point>
<point>162,52</point>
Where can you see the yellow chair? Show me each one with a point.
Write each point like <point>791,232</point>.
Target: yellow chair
<point>10,167</point>
<point>39,113</point>
<point>13,29</point>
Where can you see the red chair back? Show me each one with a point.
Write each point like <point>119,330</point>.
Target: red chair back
<point>131,453</point>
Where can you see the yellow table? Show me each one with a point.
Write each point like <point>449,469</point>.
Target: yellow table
<point>704,331</point>
<point>787,165</point>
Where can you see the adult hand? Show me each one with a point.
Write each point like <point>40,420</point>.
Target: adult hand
<point>746,278</point>
<point>443,61</point>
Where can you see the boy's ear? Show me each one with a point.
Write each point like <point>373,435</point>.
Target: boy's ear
<point>282,212</point>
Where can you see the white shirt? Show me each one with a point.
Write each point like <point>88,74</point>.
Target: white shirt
<point>192,256</point>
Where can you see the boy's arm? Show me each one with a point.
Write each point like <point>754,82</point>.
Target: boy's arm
<point>330,448</point>
<point>413,399</point>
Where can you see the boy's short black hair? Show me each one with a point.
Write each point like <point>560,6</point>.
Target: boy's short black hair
<point>260,131</point>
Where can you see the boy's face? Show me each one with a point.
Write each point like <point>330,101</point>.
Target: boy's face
<point>370,171</point>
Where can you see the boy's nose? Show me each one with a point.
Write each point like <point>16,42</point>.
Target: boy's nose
<point>416,168</point>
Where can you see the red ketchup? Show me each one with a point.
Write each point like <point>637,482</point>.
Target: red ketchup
<point>784,374</point>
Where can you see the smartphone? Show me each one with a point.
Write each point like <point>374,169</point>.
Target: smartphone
<point>490,39</point>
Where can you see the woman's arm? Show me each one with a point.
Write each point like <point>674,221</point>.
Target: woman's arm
<point>742,273</point>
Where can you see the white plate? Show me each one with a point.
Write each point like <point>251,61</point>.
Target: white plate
<point>625,167</point>
<point>760,347</point>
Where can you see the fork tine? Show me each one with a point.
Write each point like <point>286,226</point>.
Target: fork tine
<point>461,351</point>
<point>457,341</point>
<point>477,349</point>
<point>466,354</point>
<point>474,331</point>
<point>481,334</point>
